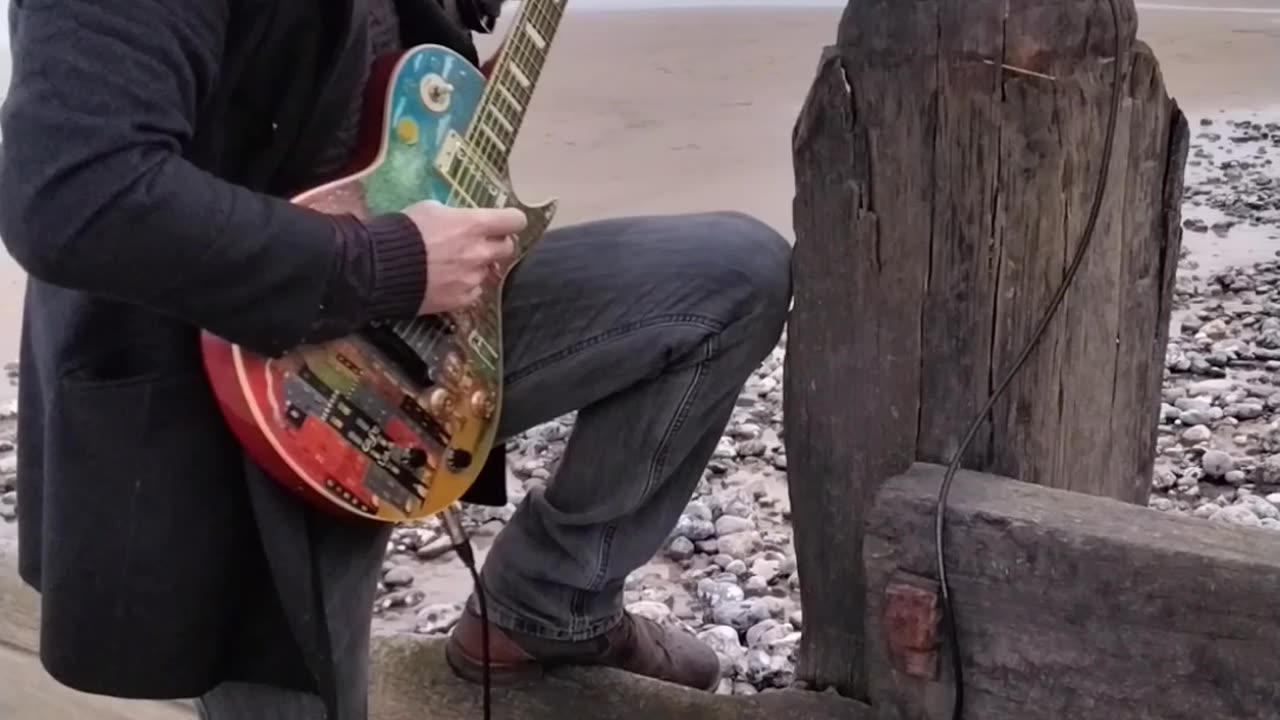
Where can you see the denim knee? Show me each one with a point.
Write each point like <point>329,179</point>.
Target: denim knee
<point>752,256</point>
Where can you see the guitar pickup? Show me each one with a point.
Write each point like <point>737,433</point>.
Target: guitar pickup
<point>469,174</point>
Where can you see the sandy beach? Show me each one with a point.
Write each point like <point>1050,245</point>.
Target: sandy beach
<point>655,111</point>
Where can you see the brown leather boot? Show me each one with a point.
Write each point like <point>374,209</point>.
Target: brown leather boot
<point>636,645</point>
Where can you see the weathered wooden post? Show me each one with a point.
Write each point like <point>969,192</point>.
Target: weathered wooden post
<point>946,159</point>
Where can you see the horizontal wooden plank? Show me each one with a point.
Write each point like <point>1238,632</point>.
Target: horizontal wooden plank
<point>1075,606</point>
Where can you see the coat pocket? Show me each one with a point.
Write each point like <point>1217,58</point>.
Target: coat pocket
<point>145,518</point>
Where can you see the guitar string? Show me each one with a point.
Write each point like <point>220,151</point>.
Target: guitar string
<point>461,543</point>
<point>414,332</point>
<point>532,59</point>
<point>519,51</point>
<point>411,331</point>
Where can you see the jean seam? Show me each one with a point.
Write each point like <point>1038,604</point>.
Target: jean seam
<point>682,413</point>
<point>702,321</point>
<point>579,621</point>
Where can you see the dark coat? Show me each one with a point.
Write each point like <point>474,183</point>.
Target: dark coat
<point>146,144</point>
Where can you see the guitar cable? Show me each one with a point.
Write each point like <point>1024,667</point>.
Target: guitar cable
<point>452,519</point>
<point>1120,60</point>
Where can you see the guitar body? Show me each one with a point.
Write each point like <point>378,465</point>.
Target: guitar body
<point>393,423</point>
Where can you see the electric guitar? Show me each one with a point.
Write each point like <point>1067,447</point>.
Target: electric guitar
<point>394,422</point>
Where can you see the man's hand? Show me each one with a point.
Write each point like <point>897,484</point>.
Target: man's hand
<point>462,246</point>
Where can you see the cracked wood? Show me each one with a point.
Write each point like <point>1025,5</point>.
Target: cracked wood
<point>939,197</point>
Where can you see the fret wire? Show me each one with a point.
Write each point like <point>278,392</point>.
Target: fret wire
<point>471,186</point>
<point>543,13</point>
<point>520,56</point>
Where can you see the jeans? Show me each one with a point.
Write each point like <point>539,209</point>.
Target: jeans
<point>648,327</point>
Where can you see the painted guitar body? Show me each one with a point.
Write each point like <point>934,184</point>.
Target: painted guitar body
<point>393,423</point>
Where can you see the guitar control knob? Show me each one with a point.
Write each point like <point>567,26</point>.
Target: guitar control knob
<point>458,459</point>
<point>440,401</point>
<point>482,402</point>
<point>416,458</point>
<point>410,457</point>
<point>452,366</point>
<point>436,93</point>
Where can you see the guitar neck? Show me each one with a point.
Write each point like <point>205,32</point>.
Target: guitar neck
<point>511,82</point>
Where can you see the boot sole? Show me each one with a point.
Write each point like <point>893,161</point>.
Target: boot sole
<point>472,670</point>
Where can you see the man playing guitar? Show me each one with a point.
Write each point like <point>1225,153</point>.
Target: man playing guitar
<point>148,150</point>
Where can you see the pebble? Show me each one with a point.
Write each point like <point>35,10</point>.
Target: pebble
<point>681,548</point>
<point>740,615</point>
<point>1196,434</point>
<point>1217,463</point>
<point>438,619</point>
<point>694,528</point>
<point>655,611</point>
<point>1236,515</point>
<point>398,576</point>
<point>732,525</point>
<point>726,643</point>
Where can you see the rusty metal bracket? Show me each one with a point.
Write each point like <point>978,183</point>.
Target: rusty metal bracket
<point>911,620</point>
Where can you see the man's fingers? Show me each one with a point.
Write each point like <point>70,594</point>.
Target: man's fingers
<point>501,248</point>
<point>500,222</point>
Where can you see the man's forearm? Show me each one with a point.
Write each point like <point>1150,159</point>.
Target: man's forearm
<point>96,196</point>
<point>253,269</point>
<point>382,274</point>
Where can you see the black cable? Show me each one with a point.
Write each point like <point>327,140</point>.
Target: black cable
<point>940,510</point>
<point>469,559</point>
<point>462,546</point>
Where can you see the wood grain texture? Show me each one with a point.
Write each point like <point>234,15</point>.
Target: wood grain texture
<point>945,160</point>
<point>1076,606</point>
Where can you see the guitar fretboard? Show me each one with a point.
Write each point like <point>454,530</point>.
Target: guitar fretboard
<point>510,88</point>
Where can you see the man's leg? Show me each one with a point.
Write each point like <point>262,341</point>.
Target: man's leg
<point>347,559</point>
<point>649,327</point>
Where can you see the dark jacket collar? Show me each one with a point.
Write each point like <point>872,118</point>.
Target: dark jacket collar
<point>425,21</point>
